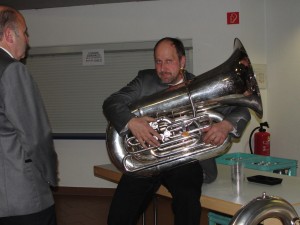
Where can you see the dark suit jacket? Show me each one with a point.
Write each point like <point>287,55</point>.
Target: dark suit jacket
<point>117,111</point>
<point>28,162</point>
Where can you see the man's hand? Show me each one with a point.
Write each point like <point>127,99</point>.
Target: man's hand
<point>144,133</point>
<point>217,133</point>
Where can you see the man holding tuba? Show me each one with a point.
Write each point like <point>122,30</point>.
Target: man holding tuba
<point>184,182</point>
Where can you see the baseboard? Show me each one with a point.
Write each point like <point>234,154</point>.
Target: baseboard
<point>83,191</point>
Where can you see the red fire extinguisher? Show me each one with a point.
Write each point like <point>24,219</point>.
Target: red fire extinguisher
<point>261,140</point>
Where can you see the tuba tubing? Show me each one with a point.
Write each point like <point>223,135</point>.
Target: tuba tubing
<point>128,163</point>
<point>265,207</point>
<point>189,104</point>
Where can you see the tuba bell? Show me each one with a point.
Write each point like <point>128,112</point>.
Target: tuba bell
<point>182,112</point>
<point>265,207</point>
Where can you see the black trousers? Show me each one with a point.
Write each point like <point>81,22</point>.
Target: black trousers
<point>45,217</point>
<point>133,195</point>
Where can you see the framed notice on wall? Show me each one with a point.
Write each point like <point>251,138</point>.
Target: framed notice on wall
<point>93,57</point>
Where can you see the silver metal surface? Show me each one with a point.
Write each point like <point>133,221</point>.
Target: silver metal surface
<point>265,207</point>
<point>182,112</point>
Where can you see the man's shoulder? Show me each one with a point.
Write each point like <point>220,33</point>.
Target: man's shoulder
<point>189,76</point>
<point>147,72</point>
<point>148,75</point>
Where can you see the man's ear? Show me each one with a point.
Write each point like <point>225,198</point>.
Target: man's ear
<point>9,35</point>
<point>182,62</point>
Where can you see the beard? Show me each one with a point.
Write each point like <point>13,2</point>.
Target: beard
<point>168,77</point>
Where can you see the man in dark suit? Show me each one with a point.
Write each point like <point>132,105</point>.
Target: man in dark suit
<point>28,162</point>
<point>184,182</point>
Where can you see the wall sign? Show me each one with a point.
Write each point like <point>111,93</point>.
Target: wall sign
<point>93,57</point>
<point>233,18</point>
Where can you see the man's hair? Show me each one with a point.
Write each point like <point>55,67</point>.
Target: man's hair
<point>177,44</point>
<point>8,19</point>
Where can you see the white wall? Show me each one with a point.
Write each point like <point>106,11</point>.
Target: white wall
<point>204,21</point>
<point>283,57</point>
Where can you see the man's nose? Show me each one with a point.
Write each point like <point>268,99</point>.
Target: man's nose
<point>163,66</point>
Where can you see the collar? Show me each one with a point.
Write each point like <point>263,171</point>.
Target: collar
<point>179,82</point>
<point>7,52</point>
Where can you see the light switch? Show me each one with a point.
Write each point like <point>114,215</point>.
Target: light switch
<point>260,74</point>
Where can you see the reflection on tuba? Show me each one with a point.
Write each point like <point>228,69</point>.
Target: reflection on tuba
<point>182,112</point>
<point>265,207</point>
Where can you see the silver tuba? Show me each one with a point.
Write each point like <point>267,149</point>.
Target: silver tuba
<point>265,207</point>
<point>182,112</point>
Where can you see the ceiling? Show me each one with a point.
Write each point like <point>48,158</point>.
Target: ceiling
<point>41,4</point>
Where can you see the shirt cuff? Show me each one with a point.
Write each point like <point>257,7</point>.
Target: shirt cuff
<point>234,132</point>
<point>124,130</point>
